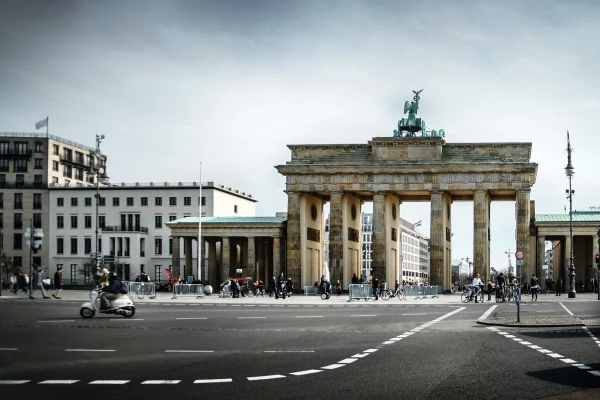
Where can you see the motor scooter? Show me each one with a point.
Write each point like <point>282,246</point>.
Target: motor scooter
<point>122,305</point>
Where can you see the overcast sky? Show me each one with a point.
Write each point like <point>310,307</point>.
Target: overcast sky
<point>230,83</point>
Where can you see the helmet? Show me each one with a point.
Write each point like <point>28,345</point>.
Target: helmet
<point>112,276</point>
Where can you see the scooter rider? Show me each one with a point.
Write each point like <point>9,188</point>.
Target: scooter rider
<point>110,292</point>
<point>280,283</point>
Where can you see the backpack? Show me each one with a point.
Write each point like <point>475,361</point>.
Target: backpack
<point>124,289</point>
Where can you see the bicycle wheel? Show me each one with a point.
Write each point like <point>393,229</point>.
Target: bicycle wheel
<point>139,293</point>
<point>465,297</point>
<point>250,293</point>
<point>385,295</point>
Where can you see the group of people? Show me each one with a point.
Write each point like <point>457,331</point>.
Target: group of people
<point>502,286</point>
<point>20,281</point>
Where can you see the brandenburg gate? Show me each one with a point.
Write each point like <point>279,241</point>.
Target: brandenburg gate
<point>415,164</point>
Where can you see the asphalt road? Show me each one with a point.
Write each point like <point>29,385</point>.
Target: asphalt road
<point>295,352</point>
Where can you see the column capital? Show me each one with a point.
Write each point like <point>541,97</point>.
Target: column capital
<point>437,191</point>
<point>335,191</point>
<point>528,190</point>
<point>292,192</point>
<point>481,191</point>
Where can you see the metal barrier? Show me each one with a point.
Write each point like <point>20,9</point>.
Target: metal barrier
<point>188,290</point>
<point>311,290</point>
<point>143,289</point>
<point>431,291</point>
<point>360,292</point>
<point>226,291</point>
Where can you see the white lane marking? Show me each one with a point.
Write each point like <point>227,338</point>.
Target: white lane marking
<point>509,336</point>
<point>13,382</point>
<point>388,342</point>
<point>422,313</point>
<point>363,315</point>
<point>487,313</point>
<point>347,361</point>
<point>568,361</point>
<point>249,305</point>
<point>265,377</point>
<point>224,380</point>
<point>361,355</point>
<point>333,366</point>
<point>307,372</point>
<point>58,382</point>
<point>309,316</point>
<point>596,373</point>
<point>126,319</point>
<point>157,382</point>
<point>193,318</point>
<point>546,311</point>
<point>566,309</point>
<point>289,351</point>
<point>91,350</point>
<point>189,351</point>
<point>555,355</point>
<point>370,351</point>
<point>108,382</point>
<point>62,320</point>
<point>545,351</point>
<point>533,346</point>
<point>8,349</point>
<point>525,343</point>
<point>581,366</point>
<point>252,317</point>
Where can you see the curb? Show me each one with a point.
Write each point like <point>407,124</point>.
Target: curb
<point>515,325</point>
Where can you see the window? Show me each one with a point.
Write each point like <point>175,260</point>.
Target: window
<point>60,221</point>
<point>187,201</point>
<point>87,243</point>
<point>88,201</point>
<point>5,165</point>
<point>18,201</point>
<point>158,246</point>
<point>60,245</point>
<point>38,163</point>
<point>102,221</point>
<point>203,201</point>
<point>20,181</point>
<point>172,201</point>
<point>142,247</point>
<point>39,147</point>
<point>87,221</point>
<point>235,209</point>
<point>171,246</point>
<point>1,220</point>
<point>130,201</point>
<point>102,201</point>
<point>37,221</point>
<point>54,165</point>
<point>79,174</point>
<point>73,201</point>
<point>60,202</point>
<point>54,180</point>
<point>157,273</point>
<point>73,245</point>
<point>158,221</point>
<point>73,221</point>
<point>37,201</point>
<point>67,171</point>
<point>21,165</point>
<point>18,221</point>
<point>55,149</point>
<point>3,147</point>
<point>172,217</point>
<point>115,201</point>
<point>144,201</point>
<point>87,273</point>
<point>73,273</point>
<point>158,201</point>
<point>1,200</point>
<point>127,246</point>
<point>18,241</point>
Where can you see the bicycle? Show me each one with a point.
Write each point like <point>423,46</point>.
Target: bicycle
<point>467,296</point>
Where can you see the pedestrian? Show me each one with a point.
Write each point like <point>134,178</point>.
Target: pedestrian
<point>21,283</point>
<point>289,285</point>
<point>354,279</point>
<point>596,285</point>
<point>338,287</point>
<point>38,284</point>
<point>559,286</point>
<point>58,282</point>
<point>534,287</point>
<point>375,284</point>
<point>489,289</point>
<point>361,280</point>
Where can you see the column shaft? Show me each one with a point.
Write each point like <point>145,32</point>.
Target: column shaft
<point>336,237</point>
<point>523,212</point>
<point>564,271</point>
<point>481,242</point>
<point>277,267</point>
<point>441,236</point>
<point>294,254</point>
<point>188,257</point>
<point>541,259</point>
<point>378,260</point>
<point>175,257</point>
<point>225,259</point>
<point>251,261</point>
<point>213,274</point>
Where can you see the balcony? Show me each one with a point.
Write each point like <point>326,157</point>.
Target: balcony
<point>75,161</point>
<point>23,185</point>
<point>117,228</point>
<point>12,153</point>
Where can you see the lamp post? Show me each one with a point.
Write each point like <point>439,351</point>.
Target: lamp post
<point>570,171</point>
<point>94,170</point>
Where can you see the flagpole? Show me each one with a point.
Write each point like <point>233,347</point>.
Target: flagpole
<point>200,242</point>
<point>47,123</point>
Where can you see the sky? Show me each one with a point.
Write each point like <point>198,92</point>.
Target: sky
<point>231,83</point>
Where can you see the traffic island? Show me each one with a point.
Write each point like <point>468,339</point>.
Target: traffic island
<point>534,322</point>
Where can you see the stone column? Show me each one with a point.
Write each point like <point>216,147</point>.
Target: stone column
<point>523,232</point>
<point>441,236</point>
<point>594,268</point>
<point>267,279</point>
<point>541,258</point>
<point>213,273</point>
<point>294,261</point>
<point>336,236</point>
<point>201,261</point>
<point>277,267</point>
<point>251,257</point>
<point>187,243</point>
<point>175,257</point>
<point>481,229</point>
<point>379,237</point>
<point>225,259</point>
<point>564,272</point>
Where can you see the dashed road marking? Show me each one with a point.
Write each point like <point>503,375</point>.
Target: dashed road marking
<point>192,318</point>
<point>307,372</point>
<point>61,320</point>
<point>309,316</point>
<point>14,382</point>
<point>416,314</point>
<point>252,317</point>
<point>189,351</point>
<point>126,319</point>
<point>108,382</point>
<point>58,382</point>
<point>265,377</point>
<point>363,315</point>
<point>223,380</point>
<point>8,349</point>
<point>566,309</point>
<point>91,350</point>
<point>289,351</point>
<point>348,361</point>
<point>159,382</point>
<point>487,313</point>
<point>333,366</point>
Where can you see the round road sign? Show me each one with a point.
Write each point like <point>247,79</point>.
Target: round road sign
<point>520,254</point>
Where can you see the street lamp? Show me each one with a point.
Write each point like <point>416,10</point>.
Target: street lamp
<point>570,171</point>
<point>94,169</point>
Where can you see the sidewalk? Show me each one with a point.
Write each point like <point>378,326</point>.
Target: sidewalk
<point>298,299</point>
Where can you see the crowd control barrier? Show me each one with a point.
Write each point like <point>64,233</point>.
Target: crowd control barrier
<point>188,290</point>
<point>311,290</point>
<point>143,289</point>
<point>360,291</point>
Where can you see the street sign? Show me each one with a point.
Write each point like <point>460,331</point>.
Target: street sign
<point>520,254</point>
<point>238,271</point>
<point>519,262</point>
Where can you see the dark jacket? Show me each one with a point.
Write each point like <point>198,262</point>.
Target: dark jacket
<point>114,286</point>
<point>354,279</point>
<point>375,283</point>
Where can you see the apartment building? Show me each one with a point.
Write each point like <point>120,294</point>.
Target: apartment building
<point>29,163</point>
<point>131,224</point>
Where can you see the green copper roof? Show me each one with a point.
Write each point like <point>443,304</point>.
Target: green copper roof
<point>230,220</point>
<point>578,216</point>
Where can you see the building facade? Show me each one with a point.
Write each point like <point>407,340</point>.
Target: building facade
<point>131,218</point>
<point>29,164</point>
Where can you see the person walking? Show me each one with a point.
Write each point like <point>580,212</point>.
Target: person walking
<point>534,287</point>
<point>559,286</point>
<point>489,289</point>
<point>38,284</point>
<point>375,285</point>
<point>58,282</point>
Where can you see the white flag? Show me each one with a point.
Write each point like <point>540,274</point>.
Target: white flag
<point>42,123</point>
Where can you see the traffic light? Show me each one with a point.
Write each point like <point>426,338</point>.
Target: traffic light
<point>597,259</point>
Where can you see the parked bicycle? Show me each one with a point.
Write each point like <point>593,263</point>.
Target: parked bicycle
<point>468,296</point>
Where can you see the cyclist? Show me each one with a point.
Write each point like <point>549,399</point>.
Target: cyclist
<point>475,288</point>
<point>500,284</point>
